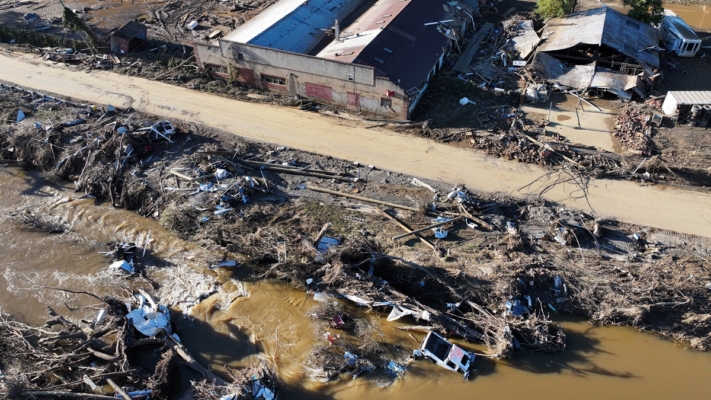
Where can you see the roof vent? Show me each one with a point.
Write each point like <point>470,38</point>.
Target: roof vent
<point>378,60</point>
<point>387,50</point>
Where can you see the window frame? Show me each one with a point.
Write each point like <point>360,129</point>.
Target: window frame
<point>273,81</point>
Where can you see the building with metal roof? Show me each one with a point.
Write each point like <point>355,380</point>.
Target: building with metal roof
<point>128,38</point>
<point>599,50</point>
<point>400,39</point>
<point>381,62</point>
<point>293,25</point>
<point>603,26</point>
<point>674,99</point>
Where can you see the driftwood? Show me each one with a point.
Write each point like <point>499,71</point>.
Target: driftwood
<point>350,196</point>
<point>406,228</point>
<point>427,228</point>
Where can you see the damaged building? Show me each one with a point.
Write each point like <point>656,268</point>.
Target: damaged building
<point>379,59</point>
<point>597,51</point>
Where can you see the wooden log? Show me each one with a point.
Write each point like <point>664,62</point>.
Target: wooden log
<point>193,364</point>
<point>407,229</point>
<point>350,196</point>
<point>419,328</point>
<point>189,178</point>
<point>476,219</point>
<point>301,172</point>
<point>57,394</point>
<point>291,167</point>
<point>427,228</point>
<point>545,146</point>
<point>321,233</point>
<point>118,389</point>
<point>103,356</point>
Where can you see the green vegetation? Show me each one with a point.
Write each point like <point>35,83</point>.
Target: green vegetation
<point>74,23</point>
<point>37,39</point>
<point>555,8</point>
<point>649,11</point>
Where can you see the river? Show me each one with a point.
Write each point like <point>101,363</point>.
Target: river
<point>698,16</point>
<point>270,323</point>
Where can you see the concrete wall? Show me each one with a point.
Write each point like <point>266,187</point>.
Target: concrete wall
<point>294,74</point>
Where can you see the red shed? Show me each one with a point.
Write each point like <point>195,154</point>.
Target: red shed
<point>128,37</point>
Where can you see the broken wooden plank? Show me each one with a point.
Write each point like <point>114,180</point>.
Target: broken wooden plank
<point>407,228</point>
<point>419,328</point>
<point>118,389</point>
<point>351,196</point>
<point>427,228</point>
<point>189,178</point>
<point>478,220</point>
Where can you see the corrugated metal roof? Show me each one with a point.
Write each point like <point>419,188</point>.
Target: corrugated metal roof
<point>678,25</point>
<point>131,30</point>
<point>692,97</point>
<point>363,31</point>
<point>293,25</point>
<point>526,38</point>
<point>608,79</point>
<point>402,48</point>
<point>551,69</point>
<point>582,77</point>
<point>602,26</point>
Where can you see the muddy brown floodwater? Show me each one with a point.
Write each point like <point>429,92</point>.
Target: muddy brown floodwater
<point>270,323</point>
<point>698,16</point>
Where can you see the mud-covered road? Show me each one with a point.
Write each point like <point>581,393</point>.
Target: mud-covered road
<point>661,207</point>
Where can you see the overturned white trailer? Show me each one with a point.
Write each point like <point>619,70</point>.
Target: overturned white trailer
<point>677,36</point>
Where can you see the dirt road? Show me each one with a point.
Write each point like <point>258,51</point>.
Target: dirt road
<point>667,208</point>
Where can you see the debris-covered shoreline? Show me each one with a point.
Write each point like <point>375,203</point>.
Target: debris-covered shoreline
<point>492,271</point>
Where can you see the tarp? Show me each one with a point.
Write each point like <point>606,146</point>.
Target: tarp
<point>150,322</point>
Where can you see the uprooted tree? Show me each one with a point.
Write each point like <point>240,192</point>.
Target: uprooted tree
<point>649,11</point>
<point>555,8</point>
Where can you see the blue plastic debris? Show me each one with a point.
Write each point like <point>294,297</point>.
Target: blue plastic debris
<point>123,265</point>
<point>440,233</point>
<point>75,122</point>
<point>327,242</point>
<point>20,115</point>
<point>395,368</point>
<point>207,187</point>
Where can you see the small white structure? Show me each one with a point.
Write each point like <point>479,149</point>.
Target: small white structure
<point>677,36</point>
<point>692,107</point>
<point>685,98</point>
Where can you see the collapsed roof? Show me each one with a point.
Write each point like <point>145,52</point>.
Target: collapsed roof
<point>603,26</point>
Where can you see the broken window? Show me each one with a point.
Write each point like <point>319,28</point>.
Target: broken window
<point>220,69</point>
<point>385,102</point>
<point>240,56</point>
<point>273,80</point>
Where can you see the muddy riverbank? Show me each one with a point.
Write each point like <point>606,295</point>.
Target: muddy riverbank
<point>612,361</point>
<point>261,207</point>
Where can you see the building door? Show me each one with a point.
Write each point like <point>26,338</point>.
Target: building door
<point>353,101</point>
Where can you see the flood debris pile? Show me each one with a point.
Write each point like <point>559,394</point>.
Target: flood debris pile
<point>107,152</point>
<point>361,270</point>
<point>41,221</point>
<point>634,129</point>
<point>99,358</point>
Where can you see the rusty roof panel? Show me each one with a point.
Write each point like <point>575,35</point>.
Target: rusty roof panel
<point>402,48</point>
